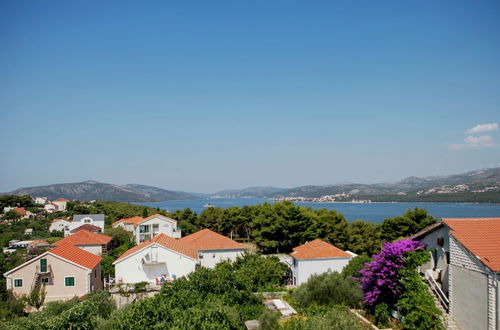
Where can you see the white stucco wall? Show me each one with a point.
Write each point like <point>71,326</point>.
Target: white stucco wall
<point>303,268</point>
<point>166,226</point>
<point>76,224</point>
<point>59,225</point>
<point>210,258</point>
<point>170,263</point>
<point>438,254</point>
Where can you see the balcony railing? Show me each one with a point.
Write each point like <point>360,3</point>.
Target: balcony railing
<point>48,270</point>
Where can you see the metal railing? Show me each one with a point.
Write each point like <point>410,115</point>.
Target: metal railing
<point>48,270</point>
<point>436,288</point>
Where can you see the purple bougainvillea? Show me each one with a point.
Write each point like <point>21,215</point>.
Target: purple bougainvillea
<point>380,280</point>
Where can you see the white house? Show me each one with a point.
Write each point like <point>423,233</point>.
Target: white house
<point>466,256</point>
<point>165,258</point>
<point>147,228</point>
<point>317,257</point>
<point>60,204</point>
<point>50,207</point>
<point>41,200</point>
<point>84,219</point>
<point>59,225</point>
<point>160,259</point>
<point>213,248</point>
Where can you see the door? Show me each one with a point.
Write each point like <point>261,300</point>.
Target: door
<point>43,265</point>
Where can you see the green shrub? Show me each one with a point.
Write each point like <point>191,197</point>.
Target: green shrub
<point>354,266</point>
<point>336,318</point>
<point>328,289</point>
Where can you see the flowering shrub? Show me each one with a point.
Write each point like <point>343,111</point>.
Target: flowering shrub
<point>380,279</point>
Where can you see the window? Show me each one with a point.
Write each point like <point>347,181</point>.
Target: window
<point>43,265</point>
<point>69,281</point>
<point>200,256</point>
<point>18,282</point>
<point>213,256</point>
<point>45,280</point>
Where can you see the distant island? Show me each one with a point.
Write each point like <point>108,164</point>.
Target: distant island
<point>481,186</point>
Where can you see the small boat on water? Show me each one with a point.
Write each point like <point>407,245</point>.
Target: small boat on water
<point>207,205</point>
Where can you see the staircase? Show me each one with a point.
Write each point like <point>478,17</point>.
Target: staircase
<point>441,302</point>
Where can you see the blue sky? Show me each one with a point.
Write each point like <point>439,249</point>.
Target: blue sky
<point>209,95</point>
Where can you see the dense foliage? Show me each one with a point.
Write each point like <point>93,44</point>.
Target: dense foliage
<point>337,318</point>
<point>351,270</point>
<point>87,314</point>
<point>15,201</point>
<point>206,299</point>
<point>391,281</point>
<point>257,272</point>
<point>328,289</point>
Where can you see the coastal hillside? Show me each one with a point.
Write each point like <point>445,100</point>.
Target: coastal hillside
<point>93,190</point>
<point>467,187</point>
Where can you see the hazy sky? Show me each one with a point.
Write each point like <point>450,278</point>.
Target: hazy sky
<point>208,95</point>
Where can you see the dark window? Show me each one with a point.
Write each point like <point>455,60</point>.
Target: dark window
<point>69,281</point>
<point>45,280</point>
<point>447,258</point>
<point>43,265</point>
<point>18,282</point>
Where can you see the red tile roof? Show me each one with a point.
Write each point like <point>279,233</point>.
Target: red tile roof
<point>166,241</point>
<point>76,255</point>
<point>318,249</point>
<point>20,210</point>
<point>481,236</point>
<point>84,237</point>
<point>61,200</point>
<point>208,240</point>
<point>132,220</point>
<point>55,220</point>
<point>88,227</point>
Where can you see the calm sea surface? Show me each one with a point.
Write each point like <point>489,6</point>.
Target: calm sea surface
<point>374,212</point>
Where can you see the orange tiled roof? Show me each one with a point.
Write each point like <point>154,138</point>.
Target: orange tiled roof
<point>20,210</point>
<point>76,255</point>
<point>55,220</point>
<point>61,200</point>
<point>208,240</point>
<point>84,237</point>
<point>88,227</point>
<point>166,241</point>
<point>318,249</point>
<point>481,236</point>
<point>132,220</point>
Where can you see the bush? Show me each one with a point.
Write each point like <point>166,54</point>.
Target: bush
<point>336,318</point>
<point>351,270</point>
<point>328,289</point>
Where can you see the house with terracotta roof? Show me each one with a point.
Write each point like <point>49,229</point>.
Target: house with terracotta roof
<point>165,258</point>
<point>63,272</point>
<point>159,259</point>
<point>88,227</point>
<point>61,204</point>
<point>317,257</point>
<point>464,270</point>
<point>85,219</point>
<point>88,241</point>
<point>146,228</point>
<point>213,248</point>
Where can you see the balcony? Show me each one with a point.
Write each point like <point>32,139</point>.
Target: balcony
<point>48,270</point>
